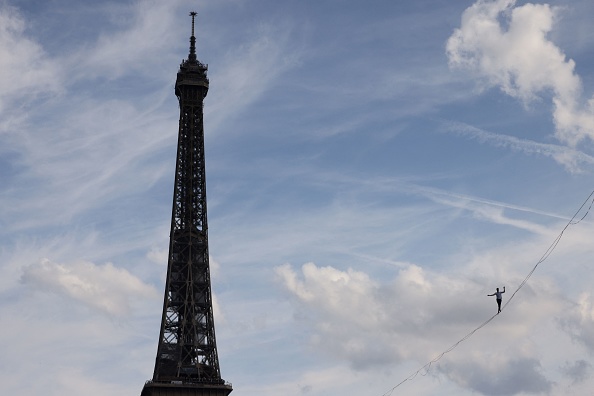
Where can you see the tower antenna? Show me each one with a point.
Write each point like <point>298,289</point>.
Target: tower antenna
<point>192,56</point>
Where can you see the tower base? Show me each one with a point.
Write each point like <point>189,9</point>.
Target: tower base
<point>173,389</point>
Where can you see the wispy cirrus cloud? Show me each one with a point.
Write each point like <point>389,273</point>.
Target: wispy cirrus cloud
<point>141,30</point>
<point>26,70</point>
<point>571,158</point>
<point>68,155</point>
<point>250,70</point>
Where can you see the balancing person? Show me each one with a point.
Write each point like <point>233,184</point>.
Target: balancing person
<point>497,295</point>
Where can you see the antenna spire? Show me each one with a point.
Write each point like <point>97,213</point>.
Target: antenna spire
<point>192,56</point>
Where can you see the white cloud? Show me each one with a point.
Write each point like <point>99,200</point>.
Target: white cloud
<point>491,212</point>
<point>317,381</point>
<point>130,43</point>
<point>105,288</point>
<point>419,313</point>
<point>573,160</point>
<point>25,69</point>
<point>412,316</point>
<point>249,70</point>
<point>158,256</point>
<point>86,176</point>
<point>579,321</point>
<point>88,147</point>
<point>500,375</point>
<point>578,371</point>
<point>508,46</point>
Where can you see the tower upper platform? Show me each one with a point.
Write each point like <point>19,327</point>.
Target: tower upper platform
<point>192,73</point>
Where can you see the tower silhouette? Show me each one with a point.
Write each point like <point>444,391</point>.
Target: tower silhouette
<point>187,362</point>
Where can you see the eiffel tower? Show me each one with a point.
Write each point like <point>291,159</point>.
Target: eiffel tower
<point>187,363</point>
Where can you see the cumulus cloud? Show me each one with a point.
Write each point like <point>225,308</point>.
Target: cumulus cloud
<point>105,288</point>
<point>158,256</point>
<point>419,314</point>
<point>367,322</point>
<point>578,371</point>
<point>500,375</point>
<point>346,310</point>
<point>579,321</point>
<point>507,46</point>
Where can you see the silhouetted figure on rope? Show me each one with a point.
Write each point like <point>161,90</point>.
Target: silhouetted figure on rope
<point>497,295</point>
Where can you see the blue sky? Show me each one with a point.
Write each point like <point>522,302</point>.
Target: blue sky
<point>374,170</point>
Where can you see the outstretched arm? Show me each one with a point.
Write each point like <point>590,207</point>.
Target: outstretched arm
<point>489,295</point>
<point>503,289</point>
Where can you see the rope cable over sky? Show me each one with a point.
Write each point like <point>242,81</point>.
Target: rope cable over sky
<point>424,370</point>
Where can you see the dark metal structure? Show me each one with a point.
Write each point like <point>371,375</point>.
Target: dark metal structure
<point>187,362</point>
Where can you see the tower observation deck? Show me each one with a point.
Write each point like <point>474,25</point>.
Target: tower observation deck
<point>187,362</point>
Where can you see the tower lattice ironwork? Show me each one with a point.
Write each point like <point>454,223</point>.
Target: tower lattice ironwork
<point>187,362</point>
